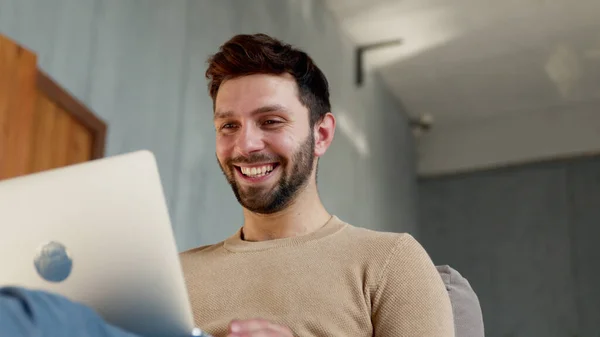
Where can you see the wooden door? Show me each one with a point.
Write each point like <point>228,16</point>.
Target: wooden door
<point>41,125</point>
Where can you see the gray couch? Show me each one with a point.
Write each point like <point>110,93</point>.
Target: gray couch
<point>468,319</point>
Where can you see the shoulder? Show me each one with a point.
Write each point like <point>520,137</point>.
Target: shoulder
<point>386,252</point>
<point>382,243</point>
<point>199,255</point>
<point>402,285</point>
<point>201,250</point>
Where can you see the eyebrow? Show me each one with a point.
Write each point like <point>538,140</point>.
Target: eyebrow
<point>266,108</point>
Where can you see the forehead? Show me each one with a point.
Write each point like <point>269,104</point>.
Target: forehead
<point>245,94</point>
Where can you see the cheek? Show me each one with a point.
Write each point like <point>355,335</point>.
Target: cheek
<point>282,144</point>
<point>223,149</point>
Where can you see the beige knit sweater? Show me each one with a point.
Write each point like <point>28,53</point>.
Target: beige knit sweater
<point>341,281</point>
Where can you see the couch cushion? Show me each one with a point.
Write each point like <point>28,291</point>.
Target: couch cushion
<point>468,319</point>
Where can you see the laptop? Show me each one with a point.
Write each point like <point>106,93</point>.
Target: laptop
<point>98,233</point>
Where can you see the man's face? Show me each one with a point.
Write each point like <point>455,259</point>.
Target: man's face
<point>265,145</point>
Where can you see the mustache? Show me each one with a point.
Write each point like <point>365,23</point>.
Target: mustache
<point>254,158</point>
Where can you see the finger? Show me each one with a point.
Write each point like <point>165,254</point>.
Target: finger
<point>258,324</point>
<point>248,325</point>
<point>258,333</point>
<point>261,333</point>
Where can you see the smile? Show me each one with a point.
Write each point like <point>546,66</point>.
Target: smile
<point>256,173</point>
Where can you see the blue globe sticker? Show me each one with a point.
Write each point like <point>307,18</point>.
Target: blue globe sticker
<point>53,262</point>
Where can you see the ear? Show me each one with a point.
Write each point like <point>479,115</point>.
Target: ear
<point>324,132</point>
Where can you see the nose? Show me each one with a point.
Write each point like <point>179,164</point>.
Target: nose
<point>249,140</point>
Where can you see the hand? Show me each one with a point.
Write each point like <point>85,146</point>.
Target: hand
<point>257,328</point>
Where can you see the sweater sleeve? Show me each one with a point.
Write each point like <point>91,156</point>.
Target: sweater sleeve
<point>410,299</point>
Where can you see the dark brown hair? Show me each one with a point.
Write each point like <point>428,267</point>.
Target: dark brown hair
<point>261,54</point>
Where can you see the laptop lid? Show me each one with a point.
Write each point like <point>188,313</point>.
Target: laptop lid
<point>98,233</point>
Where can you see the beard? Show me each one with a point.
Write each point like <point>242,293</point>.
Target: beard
<point>269,200</point>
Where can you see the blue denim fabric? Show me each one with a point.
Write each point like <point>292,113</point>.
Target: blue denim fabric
<point>32,313</point>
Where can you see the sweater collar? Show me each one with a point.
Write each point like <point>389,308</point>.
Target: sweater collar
<point>236,244</point>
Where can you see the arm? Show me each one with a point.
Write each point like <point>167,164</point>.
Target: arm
<point>410,298</point>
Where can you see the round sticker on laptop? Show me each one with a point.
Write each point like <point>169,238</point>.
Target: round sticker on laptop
<point>53,262</point>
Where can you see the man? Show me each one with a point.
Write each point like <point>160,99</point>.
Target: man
<point>293,269</point>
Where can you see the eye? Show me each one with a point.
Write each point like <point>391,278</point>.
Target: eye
<point>227,127</point>
<point>271,122</point>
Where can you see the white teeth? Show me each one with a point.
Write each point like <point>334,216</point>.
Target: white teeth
<point>257,171</point>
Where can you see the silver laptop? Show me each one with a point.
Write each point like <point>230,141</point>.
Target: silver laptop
<point>98,233</point>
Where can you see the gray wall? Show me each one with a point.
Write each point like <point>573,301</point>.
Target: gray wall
<point>526,238</point>
<point>140,66</point>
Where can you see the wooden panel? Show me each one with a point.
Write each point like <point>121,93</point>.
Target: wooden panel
<point>43,126</point>
<point>80,145</point>
<point>17,92</point>
<point>76,109</point>
<point>59,139</point>
<point>7,70</point>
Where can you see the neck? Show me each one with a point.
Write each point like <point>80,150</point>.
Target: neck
<point>304,215</point>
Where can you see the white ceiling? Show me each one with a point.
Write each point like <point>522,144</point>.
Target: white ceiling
<point>477,58</point>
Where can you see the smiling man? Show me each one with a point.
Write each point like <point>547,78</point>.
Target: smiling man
<point>293,269</point>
